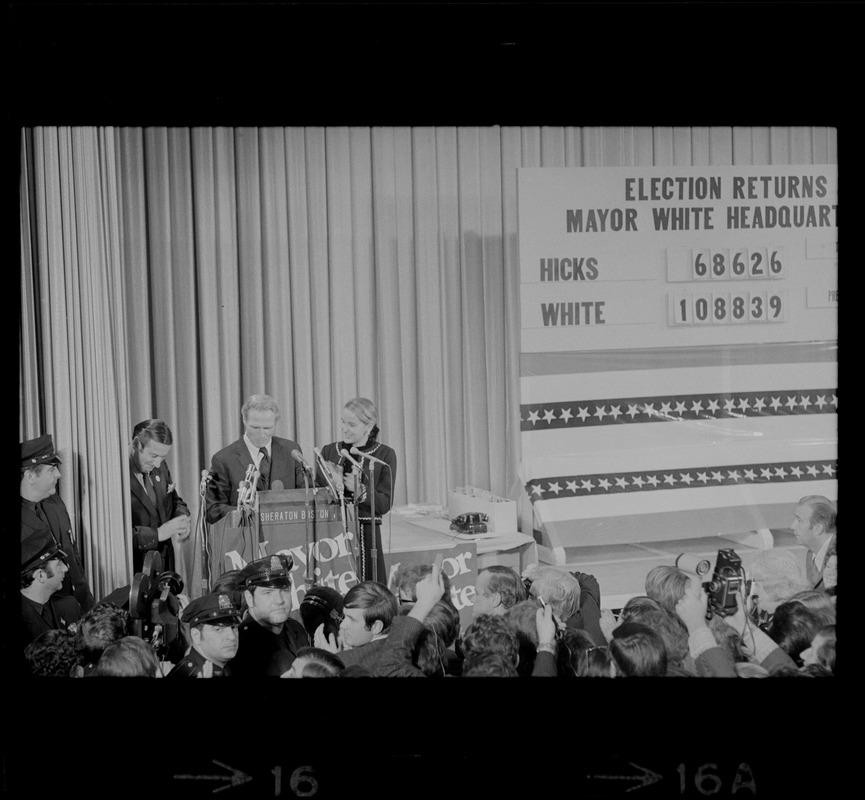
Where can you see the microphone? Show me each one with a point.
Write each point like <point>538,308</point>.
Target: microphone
<point>366,455</point>
<point>335,486</point>
<point>347,457</point>
<point>206,477</point>
<point>307,468</point>
<point>277,485</point>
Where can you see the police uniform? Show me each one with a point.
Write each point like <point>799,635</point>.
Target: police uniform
<point>209,609</point>
<point>260,651</point>
<point>60,612</point>
<point>52,516</point>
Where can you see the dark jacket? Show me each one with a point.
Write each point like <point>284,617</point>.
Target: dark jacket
<point>60,525</point>
<point>229,469</point>
<point>147,517</point>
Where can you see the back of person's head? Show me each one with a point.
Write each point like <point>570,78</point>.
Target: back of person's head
<point>579,656</point>
<point>99,627</point>
<point>491,633</point>
<point>318,663</point>
<point>667,585</point>
<point>635,605</point>
<point>441,626</point>
<point>522,617</point>
<point>53,654</point>
<point>404,581</point>
<point>128,657</point>
<point>822,648</point>
<point>792,628</point>
<point>375,600</point>
<point>489,665</point>
<point>321,605</point>
<point>779,575</point>
<point>637,651</point>
<point>507,583</point>
<point>817,601</point>
<point>669,627</point>
<point>558,588</point>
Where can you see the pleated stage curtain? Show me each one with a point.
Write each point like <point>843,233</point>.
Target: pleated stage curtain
<point>172,272</point>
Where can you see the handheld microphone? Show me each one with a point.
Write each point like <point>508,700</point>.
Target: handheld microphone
<point>344,453</point>
<point>307,468</point>
<point>360,453</point>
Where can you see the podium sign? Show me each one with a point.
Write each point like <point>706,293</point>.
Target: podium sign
<point>296,522</point>
<point>309,524</point>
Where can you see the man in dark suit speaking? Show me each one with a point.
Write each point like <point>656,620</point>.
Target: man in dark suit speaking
<point>271,455</point>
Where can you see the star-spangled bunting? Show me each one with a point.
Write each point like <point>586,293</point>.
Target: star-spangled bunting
<point>653,480</point>
<point>676,408</point>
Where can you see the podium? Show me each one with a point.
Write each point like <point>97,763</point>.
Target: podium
<point>306,524</point>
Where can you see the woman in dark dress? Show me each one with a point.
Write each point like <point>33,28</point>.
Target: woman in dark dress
<point>359,430</point>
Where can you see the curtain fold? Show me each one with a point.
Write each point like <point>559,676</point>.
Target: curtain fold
<point>172,272</point>
<point>78,357</point>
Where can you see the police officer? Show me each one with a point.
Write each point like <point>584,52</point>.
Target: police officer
<point>42,510</point>
<point>269,637</point>
<point>213,621</point>
<point>43,606</point>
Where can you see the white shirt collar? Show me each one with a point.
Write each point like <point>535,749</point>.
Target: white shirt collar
<point>253,450</point>
<point>820,555</point>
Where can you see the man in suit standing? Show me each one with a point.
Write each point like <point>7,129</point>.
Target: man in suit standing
<point>43,511</point>
<point>159,516</point>
<point>815,526</point>
<point>271,455</point>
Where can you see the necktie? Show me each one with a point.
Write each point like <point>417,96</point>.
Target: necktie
<point>40,512</point>
<point>264,469</point>
<point>811,571</point>
<point>148,486</point>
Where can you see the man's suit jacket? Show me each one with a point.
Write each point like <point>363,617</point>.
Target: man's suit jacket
<point>60,525</point>
<point>229,469</point>
<point>147,517</point>
<point>367,656</point>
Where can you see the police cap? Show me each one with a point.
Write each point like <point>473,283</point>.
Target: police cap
<point>38,549</point>
<point>268,571</point>
<point>38,451</point>
<point>211,609</point>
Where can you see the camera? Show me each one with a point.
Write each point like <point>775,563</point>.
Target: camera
<point>727,581</point>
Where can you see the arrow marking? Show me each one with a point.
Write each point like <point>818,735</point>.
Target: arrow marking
<point>646,779</point>
<point>236,778</point>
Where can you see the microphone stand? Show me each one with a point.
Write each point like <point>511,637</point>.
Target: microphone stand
<point>358,527</point>
<point>373,548</point>
<point>309,580</point>
<point>338,490</point>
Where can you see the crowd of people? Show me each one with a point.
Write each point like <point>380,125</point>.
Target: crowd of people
<point>547,622</point>
<point>776,619</point>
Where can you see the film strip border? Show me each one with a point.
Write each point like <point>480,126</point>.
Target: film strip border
<point>677,408</point>
<point>600,484</point>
